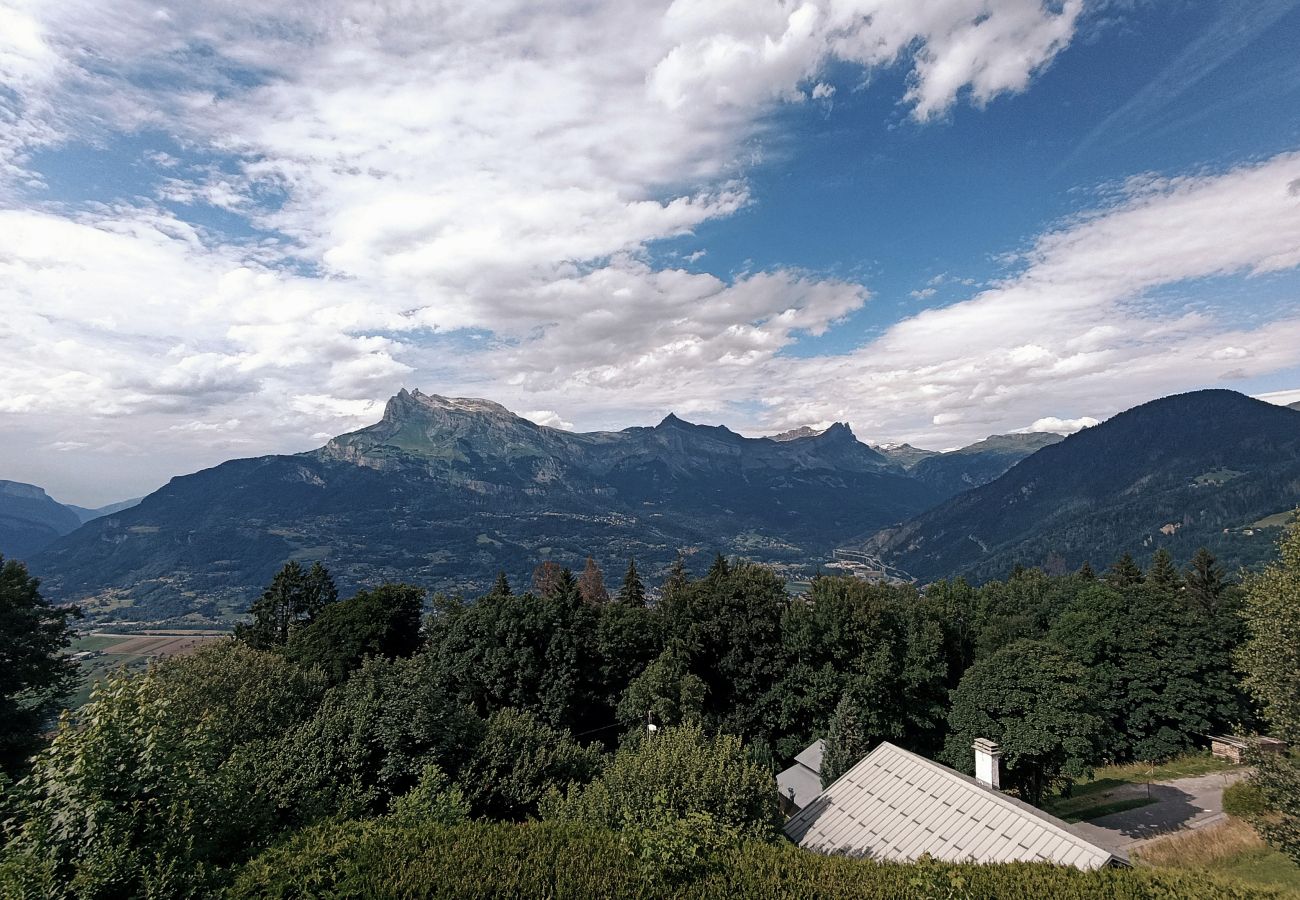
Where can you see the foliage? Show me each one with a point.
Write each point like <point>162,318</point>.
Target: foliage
<point>1277,779</point>
<point>34,675</point>
<point>1161,668</point>
<point>382,622</point>
<point>591,584</point>
<point>367,743</point>
<point>481,860</point>
<point>434,800</point>
<point>846,742</point>
<point>1035,702</point>
<point>872,643</point>
<point>1270,655</point>
<point>517,761</point>
<point>1245,800</point>
<point>680,770</point>
<point>632,591</point>
<point>730,624</point>
<point>293,599</point>
<point>667,692</point>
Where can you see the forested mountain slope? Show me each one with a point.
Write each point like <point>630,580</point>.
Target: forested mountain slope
<point>1179,472</point>
<point>446,492</point>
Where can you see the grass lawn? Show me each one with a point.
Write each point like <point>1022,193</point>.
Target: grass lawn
<point>1111,788</point>
<point>1231,848</point>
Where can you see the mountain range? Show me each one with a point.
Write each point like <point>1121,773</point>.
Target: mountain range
<point>31,519</point>
<point>1210,468</point>
<point>446,492</point>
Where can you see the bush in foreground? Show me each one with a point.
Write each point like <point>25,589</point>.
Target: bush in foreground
<point>382,859</point>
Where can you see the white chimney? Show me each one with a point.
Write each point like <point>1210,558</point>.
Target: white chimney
<point>988,757</point>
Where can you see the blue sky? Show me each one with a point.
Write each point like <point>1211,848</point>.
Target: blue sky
<point>237,229</point>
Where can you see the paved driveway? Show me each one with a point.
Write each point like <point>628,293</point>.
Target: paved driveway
<point>1179,804</point>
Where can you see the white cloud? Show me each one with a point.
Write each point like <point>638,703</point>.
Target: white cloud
<point>503,168</point>
<point>1057,425</point>
<point>548,417</point>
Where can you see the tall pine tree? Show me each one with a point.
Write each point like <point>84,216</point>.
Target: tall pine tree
<point>632,591</point>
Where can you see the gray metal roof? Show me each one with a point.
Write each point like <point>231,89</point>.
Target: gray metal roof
<point>895,805</point>
<point>800,783</point>
<point>811,756</point>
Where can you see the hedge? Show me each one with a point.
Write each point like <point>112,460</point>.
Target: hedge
<point>378,859</point>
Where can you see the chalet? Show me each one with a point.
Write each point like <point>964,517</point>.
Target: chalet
<point>801,784</point>
<point>897,806</point>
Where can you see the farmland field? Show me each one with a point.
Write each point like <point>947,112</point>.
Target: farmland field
<point>131,651</point>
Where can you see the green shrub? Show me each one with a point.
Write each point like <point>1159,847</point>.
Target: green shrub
<point>378,859</point>
<point>1244,800</point>
<point>677,771</point>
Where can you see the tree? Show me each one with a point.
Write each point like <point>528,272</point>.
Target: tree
<point>879,644</point>
<point>35,676</point>
<point>545,578</point>
<point>1161,671</point>
<point>293,599</point>
<point>1277,778</point>
<point>730,624</point>
<point>675,772</point>
<point>368,743</point>
<point>678,579</point>
<point>591,584</point>
<point>1124,572</point>
<point>1204,581</point>
<point>846,742</point>
<point>666,691</point>
<point>1086,572</point>
<point>501,587</point>
<point>144,790</point>
<point>1270,655</point>
<point>1035,702</point>
<point>1163,574</point>
<point>632,591</point>
<point>381,622</point>
<point>519,759</point>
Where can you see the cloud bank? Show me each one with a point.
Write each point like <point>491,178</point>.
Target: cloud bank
<point>331,200</point>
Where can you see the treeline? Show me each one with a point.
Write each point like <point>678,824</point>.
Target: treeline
<point>383,708</point>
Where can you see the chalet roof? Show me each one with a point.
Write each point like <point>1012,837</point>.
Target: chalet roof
<point>895,805</point>
<point>802,782</point>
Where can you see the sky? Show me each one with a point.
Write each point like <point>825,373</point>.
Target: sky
<point>236,228</point>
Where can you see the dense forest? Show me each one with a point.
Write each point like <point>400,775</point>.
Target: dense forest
<point>359,738</point>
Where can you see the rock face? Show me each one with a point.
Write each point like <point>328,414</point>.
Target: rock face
<point>445,492</point>
<point>30,519</point>
<point>1212,468</point>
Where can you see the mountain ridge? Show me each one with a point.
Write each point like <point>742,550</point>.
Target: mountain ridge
<point>1177,472</point>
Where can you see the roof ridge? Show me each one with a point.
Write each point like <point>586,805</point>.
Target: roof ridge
<point>1015,802</point>
<point>1060,830</point>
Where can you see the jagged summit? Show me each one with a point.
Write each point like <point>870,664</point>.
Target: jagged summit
<point>406,402</point>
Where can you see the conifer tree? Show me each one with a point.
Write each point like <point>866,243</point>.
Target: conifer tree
<point>545,577</point>
<point>1086,572</point>
<point>591,585</point>
<point>501,588</point>
<point>1124,572</point>
<point>632,591</point>
<point>1163,574</point>
<point>720,568</point>
<point>1204,580</point>
<point>846,741</point>
<point>677,579</point>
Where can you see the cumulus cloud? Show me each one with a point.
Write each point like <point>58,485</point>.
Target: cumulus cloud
<point>464,198</point>
<point>548,417</point>
<point>1057,425</point>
